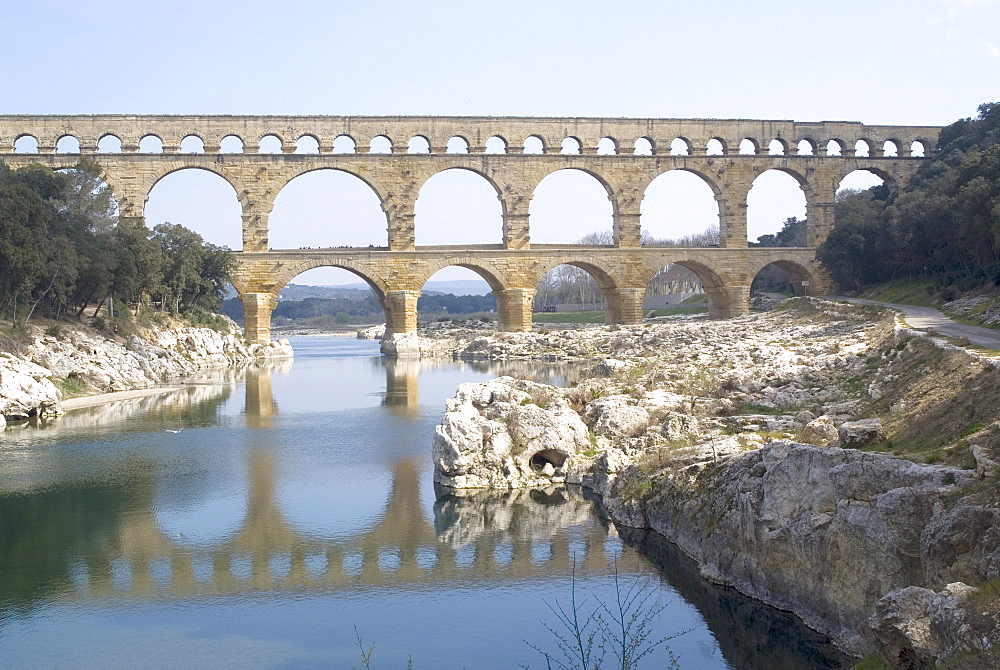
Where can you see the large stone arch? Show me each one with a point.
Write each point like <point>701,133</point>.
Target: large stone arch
<point>644,181</point>
<point>622,303</point>
<point>493,275</point>
<point>513,302</point>
<point>890,179</point>
<point>813,192</point>
<point>461,162</point>
<point>806,278</point>
<point>287,272</point>
<point>154,177</point>
<point>266,205</point>
<point>727,295</point>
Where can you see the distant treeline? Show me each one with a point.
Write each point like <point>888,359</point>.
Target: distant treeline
<point>63,248</point>
<point>944,226</point>
<point>364,309</point>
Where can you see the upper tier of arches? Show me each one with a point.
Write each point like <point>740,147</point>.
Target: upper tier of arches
<point>473,135</point>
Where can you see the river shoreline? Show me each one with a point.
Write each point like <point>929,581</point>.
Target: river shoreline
<point>824,459</point>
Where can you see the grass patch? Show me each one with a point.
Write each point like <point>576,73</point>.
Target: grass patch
<point>568,317</point>
<point>683,309</point>
<point>71,386</point>
<point>873,662</point>
<point>913,292</point>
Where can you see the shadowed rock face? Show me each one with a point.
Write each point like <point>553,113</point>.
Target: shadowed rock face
<point>823,532</point>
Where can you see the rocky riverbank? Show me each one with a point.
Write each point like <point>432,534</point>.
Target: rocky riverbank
<point>41,366</point>
<point>821,458</point>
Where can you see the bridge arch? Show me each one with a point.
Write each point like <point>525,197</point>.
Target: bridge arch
<point>621,304</point>
<point>760,222</point>
<point>438,212</point>
<point>726,296</point>
<point>156,176</point>
<point>550,202</point>
<point>211,209</point>
<point>804,279</point>
<point>109,143</point>
<point>344,193</point>
<point>659,188</point>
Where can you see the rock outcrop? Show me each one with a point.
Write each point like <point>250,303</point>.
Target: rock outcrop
<point>822,532</point>
<point>91,362</point>
<point>695,431</point>
<point>494,435</point>
<point>25,390</point>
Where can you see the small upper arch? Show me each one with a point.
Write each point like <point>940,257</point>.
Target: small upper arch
<point>380,144</point>
<point>109,144</point>
<point>151,144</point>
<point>457,144</point>
<point>806,147</point>
<point>68,144</point>
<point>835,147</point>
<point>607,146</point>
<point>643,146</point>
<point>571,146</point>
<point>863,148</point>
<point>680,146</point>
<point>749,147</point>
<point>496,145</point>
<point>307,144</point>
<point>26,143</point>
<point>231,144</point>
<point>716,147</point>
<point>344,144</point>
<point>418,144</point>
<point>534,144</point>
<point>270,143</point>
<point>192,144</point>
<point>777,147</point>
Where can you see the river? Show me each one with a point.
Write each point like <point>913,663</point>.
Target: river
<point>285,517</point>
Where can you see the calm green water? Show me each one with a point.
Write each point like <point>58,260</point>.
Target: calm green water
<point>269,518</point>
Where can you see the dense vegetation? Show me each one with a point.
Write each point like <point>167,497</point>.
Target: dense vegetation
<point>362,308</point>
<point>944,226</point>
<point>63,248</point>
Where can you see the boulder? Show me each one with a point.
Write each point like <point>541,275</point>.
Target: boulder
<point>680,427</point>
<point>821,431</point>
<point>373,333</point>
<point>493,435</point>
<point>856,434</point>
<point>915,628</point>
<point>617,416</point>
<point>26,390</point>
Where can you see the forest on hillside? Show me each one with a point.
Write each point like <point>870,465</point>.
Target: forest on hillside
<point>64,248</point>
<point>944,226</point>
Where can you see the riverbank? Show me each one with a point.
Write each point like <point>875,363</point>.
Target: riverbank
<point>46,370</point>
<point>822,458</point>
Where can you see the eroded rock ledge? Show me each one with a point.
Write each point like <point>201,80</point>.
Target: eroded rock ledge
<point>32,381</point>
<point>698,431</point>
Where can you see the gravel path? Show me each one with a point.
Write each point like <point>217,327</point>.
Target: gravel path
<point>928,317</point>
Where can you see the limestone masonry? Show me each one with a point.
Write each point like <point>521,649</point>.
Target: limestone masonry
<point>493,147</point>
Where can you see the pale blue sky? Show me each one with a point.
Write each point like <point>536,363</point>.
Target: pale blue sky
<point>890,62</point>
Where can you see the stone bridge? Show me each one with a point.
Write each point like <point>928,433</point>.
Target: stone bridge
<point>395,156</point>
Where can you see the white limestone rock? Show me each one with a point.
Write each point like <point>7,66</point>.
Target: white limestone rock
<point>26,390</point>
<point>494,436</point>
<point>821,431</point>
<point>855,434</point>
<point>617,416</point>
